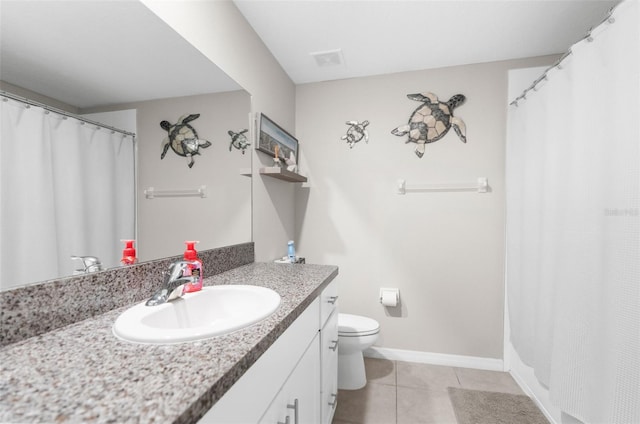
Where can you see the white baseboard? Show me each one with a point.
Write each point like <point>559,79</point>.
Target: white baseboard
<point>460,361</point>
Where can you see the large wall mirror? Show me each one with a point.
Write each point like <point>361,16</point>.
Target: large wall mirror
<point>117,63</point>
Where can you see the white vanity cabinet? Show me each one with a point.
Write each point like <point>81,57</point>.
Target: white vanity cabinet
<point>295,380</point>
<point>329,352</point>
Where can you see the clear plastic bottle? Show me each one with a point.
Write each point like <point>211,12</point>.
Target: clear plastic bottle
<point>291,251</point>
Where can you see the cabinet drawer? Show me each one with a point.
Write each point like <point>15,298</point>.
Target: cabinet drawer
<point>329,394</point>
<point>328,302</point>
<point>330,337</point>
<point>329,360</point>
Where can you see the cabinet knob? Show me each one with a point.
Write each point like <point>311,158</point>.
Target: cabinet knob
<point>294,406</point>
<point>332,299</point>
<point>335,400</point>
<point>334,346</point>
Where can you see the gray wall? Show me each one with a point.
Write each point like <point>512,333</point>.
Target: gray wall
<point>444,251</point>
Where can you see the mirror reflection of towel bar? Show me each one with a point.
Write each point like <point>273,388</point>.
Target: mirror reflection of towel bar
<point>151,193</point>
<point>480,186</point>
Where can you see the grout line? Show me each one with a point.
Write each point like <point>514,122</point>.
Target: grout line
<point>395,373</point>
<point>455,371</point>
<point>395,380</point>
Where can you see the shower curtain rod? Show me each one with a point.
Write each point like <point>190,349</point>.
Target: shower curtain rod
<point>558,64</point>
<point>6,95</point>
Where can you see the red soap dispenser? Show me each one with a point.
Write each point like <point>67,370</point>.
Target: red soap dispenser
<point>195,270</point>
<point>129,253</point>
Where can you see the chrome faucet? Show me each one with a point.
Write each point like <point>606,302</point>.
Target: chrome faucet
<point>173,285</point>
<point>90,263</point>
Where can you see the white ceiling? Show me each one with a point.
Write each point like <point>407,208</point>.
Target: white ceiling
<point>379,37</point>
<point>101,52</point>
<point>93,53</point>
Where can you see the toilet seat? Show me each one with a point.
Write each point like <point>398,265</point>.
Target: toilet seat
<point>356,326</point>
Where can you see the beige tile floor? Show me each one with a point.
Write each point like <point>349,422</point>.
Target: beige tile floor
<point>410,393</point>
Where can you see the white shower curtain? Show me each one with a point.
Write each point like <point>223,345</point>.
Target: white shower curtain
<point>573,225</point>
<point>67,189</point>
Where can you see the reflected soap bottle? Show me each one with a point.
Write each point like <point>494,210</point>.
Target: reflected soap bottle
<point>195,270</point>
<point>129,253</point>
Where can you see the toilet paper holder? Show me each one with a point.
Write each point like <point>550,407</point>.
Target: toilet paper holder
<point>389,297</point>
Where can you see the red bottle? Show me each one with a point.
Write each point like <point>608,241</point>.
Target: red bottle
<point>195,270</point>
<point>129,253</point>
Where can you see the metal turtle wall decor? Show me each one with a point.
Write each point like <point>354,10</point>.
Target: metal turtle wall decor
<point>432,120</point>
<point>183,138</point>
<point>356,132</point>
<point>238,140</point>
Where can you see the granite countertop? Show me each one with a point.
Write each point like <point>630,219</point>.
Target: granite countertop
<point>83,373</point>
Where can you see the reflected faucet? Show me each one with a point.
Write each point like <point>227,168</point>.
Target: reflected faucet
<point>173,285</point>
<point>90,263</point>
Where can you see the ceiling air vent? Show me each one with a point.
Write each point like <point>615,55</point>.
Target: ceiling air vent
<point>328,58</point>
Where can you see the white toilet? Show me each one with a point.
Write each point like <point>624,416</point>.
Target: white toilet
<point>355,334</point>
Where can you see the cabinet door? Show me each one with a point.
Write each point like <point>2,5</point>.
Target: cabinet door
<point>277,413</point>
<point>303,386</point>
<point>328,302</point>
<point>298,402</point>
<point>329,364</point>
<point>248,399</point>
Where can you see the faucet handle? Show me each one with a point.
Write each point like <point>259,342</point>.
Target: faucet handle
<point>172,290</point>
<point>177,271</point>
<point>90,263</point>
<point>174,282</point>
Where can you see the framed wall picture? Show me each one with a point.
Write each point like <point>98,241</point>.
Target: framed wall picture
<point>272,135</point>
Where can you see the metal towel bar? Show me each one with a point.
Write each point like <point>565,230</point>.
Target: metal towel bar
<point>151,193</point>
<point>480,186</point>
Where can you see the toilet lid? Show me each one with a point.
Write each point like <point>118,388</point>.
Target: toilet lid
<point>356,325</point>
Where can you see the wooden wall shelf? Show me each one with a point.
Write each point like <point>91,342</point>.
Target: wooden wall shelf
<point>283,174</point>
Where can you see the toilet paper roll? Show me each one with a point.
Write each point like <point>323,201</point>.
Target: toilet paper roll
<point>389,298</point>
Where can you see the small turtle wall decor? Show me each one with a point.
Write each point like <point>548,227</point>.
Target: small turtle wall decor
<point>183,138</point>
<point>432,120</point>
<point>356,133</point>
<point>238,140</point>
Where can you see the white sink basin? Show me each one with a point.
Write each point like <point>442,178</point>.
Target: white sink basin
<point>213,311</point>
